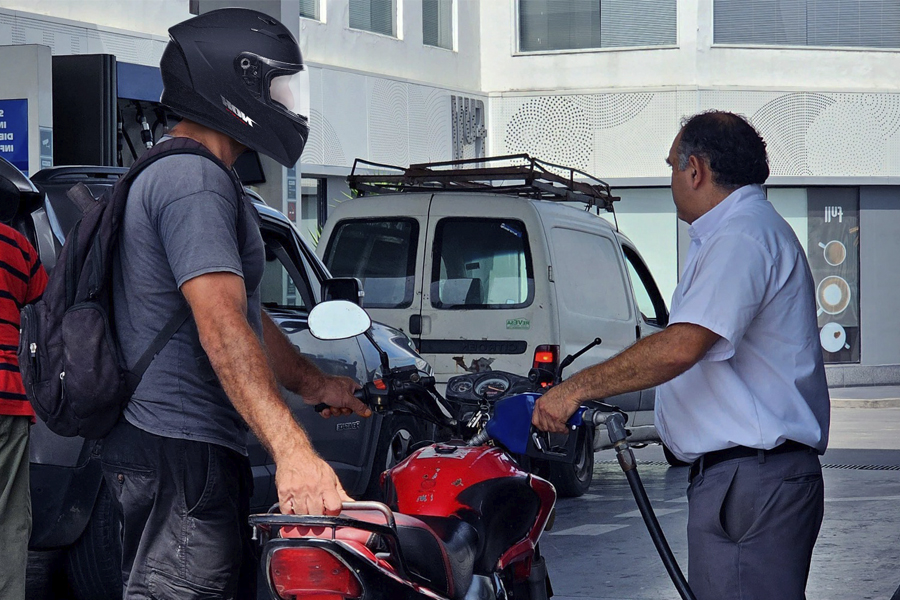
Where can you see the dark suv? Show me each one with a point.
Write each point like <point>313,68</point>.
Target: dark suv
<point>71,506</point>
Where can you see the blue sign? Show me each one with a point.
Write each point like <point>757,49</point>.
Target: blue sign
<point>14,132</point>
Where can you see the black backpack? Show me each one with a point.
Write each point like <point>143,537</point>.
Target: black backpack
<point>69,357</point>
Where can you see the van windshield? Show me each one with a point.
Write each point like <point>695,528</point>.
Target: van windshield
<point>381,254</point>
<point>481,263</point>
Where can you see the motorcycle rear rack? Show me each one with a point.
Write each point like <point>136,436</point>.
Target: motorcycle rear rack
<point>271,521</point>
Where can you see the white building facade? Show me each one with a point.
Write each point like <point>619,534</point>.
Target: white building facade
<point>600,85</point>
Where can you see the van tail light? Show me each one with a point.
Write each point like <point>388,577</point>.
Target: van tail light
<point>546,357</point>
<point>312,574</point>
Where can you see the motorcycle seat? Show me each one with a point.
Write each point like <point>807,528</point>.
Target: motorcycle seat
<point>502,511</point>
<point>440,551</point>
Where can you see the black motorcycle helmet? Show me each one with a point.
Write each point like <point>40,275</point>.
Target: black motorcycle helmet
<point>240,72</point>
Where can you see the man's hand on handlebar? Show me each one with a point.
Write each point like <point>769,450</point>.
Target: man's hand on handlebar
<point>554,408</point>
<point>337,393</point>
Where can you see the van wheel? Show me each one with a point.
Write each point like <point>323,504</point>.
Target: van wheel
<point>94,562</point>
<point>398,434</point>
<point>571,481</point>
<point>673,460</point>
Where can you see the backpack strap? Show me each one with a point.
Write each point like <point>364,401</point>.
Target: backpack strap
<point>159,342</point>
<point>170,147</point>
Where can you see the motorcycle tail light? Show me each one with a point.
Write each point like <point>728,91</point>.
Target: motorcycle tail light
<point>546,357</point>
<point>312,574</point>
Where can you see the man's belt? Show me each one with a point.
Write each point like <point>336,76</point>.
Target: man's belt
<point>713,458</point>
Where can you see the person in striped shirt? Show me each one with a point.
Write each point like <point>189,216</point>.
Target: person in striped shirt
<point>22,281</point>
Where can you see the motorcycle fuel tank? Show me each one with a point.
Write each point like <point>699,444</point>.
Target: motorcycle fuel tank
<point>430,481</point>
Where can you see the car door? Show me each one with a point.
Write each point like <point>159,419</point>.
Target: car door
<point>593,294</point>
<point>481,307</point>
<point>290,287</point>
<point>652,312</point>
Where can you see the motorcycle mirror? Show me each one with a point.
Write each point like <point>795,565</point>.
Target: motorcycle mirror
<point>337,320</point>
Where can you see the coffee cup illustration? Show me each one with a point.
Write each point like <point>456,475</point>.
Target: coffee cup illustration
<point>834,251</point>
<point>833,295</point>
<point>833,338</point>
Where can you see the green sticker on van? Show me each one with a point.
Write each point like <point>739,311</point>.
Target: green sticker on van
<point>518,324</point>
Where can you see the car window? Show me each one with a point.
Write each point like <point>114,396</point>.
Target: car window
<point>379,252</point>
<point>649,301</point>
<point>481,263</point>
<point>284,284</point>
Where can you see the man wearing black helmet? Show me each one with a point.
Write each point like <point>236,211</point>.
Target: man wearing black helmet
<point>176,463</point>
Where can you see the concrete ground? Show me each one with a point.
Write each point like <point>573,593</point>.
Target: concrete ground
<point>600,550</point>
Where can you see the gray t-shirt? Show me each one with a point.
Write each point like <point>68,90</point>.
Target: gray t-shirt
<point>180,222</point>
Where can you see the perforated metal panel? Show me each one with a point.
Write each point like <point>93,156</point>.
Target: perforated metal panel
<point>429,124</point>
<point>63,38</point>
<point>629,134</point>
<point>388,123</point>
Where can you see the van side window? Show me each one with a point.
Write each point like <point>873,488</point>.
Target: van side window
<point>379,252</point>
<point>282,285</point>
<point>588,275</point>
<point>481,263</point>
<point>649,301</point>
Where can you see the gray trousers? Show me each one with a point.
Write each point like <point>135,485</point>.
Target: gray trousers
<point>15,505</point>
<point>752,525</point>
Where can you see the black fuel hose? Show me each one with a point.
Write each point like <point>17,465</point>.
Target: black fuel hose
<point>615,425</point>
<point>653,527</point>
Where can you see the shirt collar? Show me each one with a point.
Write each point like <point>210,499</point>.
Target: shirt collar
<point>707,224</point>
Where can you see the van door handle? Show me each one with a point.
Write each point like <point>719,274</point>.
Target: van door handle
<point>637,332</point>
<point>415,325</point>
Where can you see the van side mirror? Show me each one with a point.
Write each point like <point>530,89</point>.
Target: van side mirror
<point>10,198</point>
<point>343,288</point>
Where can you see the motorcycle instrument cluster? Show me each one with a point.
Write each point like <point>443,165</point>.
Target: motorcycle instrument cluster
<point>478,387</point>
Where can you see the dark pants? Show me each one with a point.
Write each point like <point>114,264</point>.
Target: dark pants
<point>15,505</point>
<point>185,506</point>
<point>752,525</point>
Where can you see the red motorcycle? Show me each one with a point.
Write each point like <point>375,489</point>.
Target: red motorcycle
<point>461,520</point>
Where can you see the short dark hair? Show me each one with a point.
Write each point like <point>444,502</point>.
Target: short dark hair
<point>734,150</point>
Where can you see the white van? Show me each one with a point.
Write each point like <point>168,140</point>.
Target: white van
<point>498,281</point>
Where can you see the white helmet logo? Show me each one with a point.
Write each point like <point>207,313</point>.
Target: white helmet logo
<point>237,112</point>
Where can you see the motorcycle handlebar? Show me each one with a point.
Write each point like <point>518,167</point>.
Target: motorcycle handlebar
<point>360,395</point>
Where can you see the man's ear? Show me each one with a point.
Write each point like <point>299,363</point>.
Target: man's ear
<point>699,171</point>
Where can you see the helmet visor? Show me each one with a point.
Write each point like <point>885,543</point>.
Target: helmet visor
<point>290,92</point>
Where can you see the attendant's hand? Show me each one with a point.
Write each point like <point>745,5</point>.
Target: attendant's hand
<point>554,408</point>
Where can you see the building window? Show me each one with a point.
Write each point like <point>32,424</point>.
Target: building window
<point>309,9</point>
<point>377,16</point>
<point>546,25</point>
<point>437,23</point>
<point>848,23</point>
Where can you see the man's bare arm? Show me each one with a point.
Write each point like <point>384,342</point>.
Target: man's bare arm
<point>651,361</point>
<point>298,374</point>
<point>306,484</point>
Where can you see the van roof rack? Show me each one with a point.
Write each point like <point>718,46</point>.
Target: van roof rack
<point>516,174</point>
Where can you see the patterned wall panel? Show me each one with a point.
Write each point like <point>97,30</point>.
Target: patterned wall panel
<point>608,135</point>
<point>629,134</point>
<point>65,38</point>
<point>343,105</point>
<point>429,124</point>
<point>388,121</point>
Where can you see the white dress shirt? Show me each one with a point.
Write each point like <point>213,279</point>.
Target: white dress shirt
<point>763,382</point>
